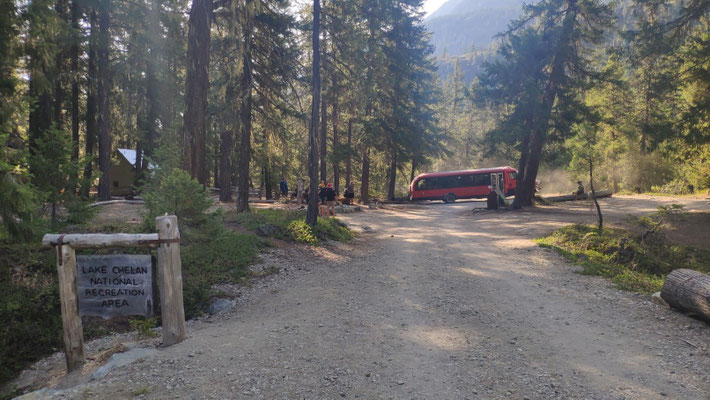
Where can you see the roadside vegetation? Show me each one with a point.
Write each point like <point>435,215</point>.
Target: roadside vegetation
<point>212,252</point>
<point>291,226</point>
<point>637,259</point>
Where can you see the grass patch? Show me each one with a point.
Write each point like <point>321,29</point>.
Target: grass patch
<point>222,257</point>
<point>632,263</point>
<point>291,226</point>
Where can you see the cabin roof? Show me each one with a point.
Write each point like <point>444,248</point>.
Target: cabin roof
<point>130,156</point>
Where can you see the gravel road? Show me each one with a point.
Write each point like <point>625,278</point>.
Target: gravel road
<point>430,302</point>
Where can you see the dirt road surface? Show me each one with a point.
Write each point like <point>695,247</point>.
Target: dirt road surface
<point>433,302</point>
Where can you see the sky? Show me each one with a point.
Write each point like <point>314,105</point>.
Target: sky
<point>432,5</point>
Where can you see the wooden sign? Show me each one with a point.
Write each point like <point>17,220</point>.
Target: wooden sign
<point>118,284</point>
<point>114,285</point>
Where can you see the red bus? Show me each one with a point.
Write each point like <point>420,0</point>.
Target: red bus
<point>476,183</point>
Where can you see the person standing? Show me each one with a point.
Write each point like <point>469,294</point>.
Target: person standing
<point>349,194</point>
<point>321,199</point>
<point>284,187</point>
<point>330,200</point>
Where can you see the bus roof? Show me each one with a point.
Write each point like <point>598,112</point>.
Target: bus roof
<point>466,172</point>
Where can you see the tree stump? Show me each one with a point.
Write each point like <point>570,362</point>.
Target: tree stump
<point>688,291</point>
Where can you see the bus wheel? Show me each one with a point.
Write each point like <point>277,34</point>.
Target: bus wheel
<point>449,198</point>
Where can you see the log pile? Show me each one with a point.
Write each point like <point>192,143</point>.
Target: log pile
<point>688,291</point>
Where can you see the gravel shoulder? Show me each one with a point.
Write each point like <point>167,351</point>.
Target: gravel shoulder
<point>432,302</point>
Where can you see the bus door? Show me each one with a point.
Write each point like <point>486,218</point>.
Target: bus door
<point>498,184</point>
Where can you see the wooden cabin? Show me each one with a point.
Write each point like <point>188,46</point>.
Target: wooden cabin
<point>123,172</point>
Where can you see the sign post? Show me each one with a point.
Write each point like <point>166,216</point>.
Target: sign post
<point>71,321</point>
<point>170,280</point>
<point>118,284</point>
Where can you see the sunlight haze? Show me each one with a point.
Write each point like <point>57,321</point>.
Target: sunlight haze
<point>432,5</point>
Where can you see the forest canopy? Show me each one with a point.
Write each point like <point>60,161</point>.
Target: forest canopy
<point>225,89</point>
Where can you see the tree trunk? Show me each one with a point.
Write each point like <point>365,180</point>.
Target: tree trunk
<point>103,100</point>
<point>532,167</point>
<point>688,291</point>
<point>75,15</point>
<point>365,185</point>
<point>139,163</point>
<point>349,161</point>
<point>312,213</point>
<point>541,120</point>
<point>267,181</point>
<point>323,141</point>
<point>594,195</point>
<point>324,112</point>
<point>196,88</point>
<point>413,172</point>
<point>392,181</point>
<point>245,112</point>
<point>91,123</point>
<point>215,172</point>
<point>225,167</point>
<point>522,164</point>
<point>336,139</point>
<point>40,115</point>
<point>152,85</point>
<point>60,59</point>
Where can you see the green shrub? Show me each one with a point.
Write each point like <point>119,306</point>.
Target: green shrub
<point>30,315</point>
<point>332,229</point>
<point>144,326</point>
<point>638,282</point>
<point>291,226</point>
<point>176,193</point>
<point>80,213</point>
<point>222,257</point>
<point>630,261</point>
<point>302,232</point>
<point>18,202</point>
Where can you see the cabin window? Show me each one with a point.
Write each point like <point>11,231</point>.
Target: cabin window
<point>115,184</point>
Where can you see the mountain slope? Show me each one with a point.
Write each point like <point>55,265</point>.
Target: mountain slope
<point>460,25</point>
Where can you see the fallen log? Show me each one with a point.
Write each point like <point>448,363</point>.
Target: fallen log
<point>688,291</point>
<point>570,197</point>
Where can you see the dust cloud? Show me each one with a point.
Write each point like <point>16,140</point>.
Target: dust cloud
<point>556,181</point>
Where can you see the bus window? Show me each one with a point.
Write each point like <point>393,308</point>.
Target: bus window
<point>428,184</point>
<point>447,182</point>
<point>482,180</point>
<point>513,176</point>
<point>465,181</point>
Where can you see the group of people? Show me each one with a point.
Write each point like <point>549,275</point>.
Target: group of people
<point>326,196</point>
<point>326,199</point>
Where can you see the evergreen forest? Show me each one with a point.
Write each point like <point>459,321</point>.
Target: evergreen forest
<point>239,93</point>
